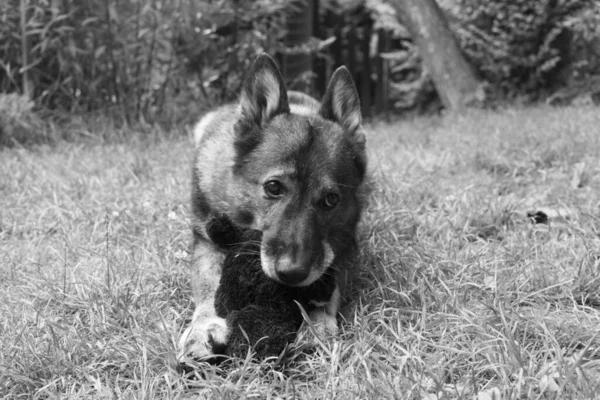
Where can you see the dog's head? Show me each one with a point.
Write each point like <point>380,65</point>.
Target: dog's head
<point>303,172</point>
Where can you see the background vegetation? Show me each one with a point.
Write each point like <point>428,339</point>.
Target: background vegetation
<point>479,275</point>
<point>139,60</point>
<point>529,48</point>
<point>160,61</point>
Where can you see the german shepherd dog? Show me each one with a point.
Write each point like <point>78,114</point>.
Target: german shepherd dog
<point>282,163</point>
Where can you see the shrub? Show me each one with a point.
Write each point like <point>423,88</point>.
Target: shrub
<point>89,54</point>
<point>19,124</point>
<point>583,41</point>
<point>522,46</point>
<point>152,60</point>
<point>219,40</point>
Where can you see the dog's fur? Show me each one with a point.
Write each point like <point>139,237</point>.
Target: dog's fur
<point>286,165</point>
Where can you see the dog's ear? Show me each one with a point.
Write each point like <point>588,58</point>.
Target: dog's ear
<point>263,94</point>
<point>340,103</point>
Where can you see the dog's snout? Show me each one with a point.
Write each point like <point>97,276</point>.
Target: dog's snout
<point>292,276</point>
<point>292,261</point>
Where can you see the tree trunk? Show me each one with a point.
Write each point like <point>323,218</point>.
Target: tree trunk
<point>454,79</point>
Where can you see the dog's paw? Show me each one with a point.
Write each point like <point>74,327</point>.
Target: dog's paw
<point>320,331</point>
<point>203,339</point>
<point>324,324</point>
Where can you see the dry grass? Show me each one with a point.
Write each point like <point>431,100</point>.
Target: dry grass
<point>460,295</point>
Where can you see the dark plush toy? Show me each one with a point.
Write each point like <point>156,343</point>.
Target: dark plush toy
<point>260,312</point>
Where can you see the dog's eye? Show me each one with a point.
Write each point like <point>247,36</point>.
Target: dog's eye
<point>331,200</point>
<point>273,189</point>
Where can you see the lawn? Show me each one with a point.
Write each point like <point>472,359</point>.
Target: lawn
<point>459,293</point>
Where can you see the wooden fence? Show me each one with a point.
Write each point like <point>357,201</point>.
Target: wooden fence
<point>352,47</point>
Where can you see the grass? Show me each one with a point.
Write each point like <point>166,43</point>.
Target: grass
<point>458,294</point>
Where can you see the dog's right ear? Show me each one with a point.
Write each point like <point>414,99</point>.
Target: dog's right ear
<point>263,94</point>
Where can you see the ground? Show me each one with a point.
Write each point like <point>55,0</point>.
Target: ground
<point>459,294</point>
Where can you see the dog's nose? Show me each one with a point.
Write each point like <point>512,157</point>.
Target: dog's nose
<point>292,276</point>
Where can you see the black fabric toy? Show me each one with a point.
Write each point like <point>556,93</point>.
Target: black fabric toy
<point>260,312</point>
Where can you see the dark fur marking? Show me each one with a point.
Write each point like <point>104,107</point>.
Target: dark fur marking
<point>200,204</point>
<point>248,137</point>
<point>222,231</point>
<point>360,162</point>
<point>274,247</point>
<point>244,217</point>
<point>305,163</point>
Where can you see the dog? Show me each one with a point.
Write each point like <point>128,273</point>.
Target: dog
<point>290,167</point>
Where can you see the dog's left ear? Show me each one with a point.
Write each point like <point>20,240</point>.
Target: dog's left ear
<point>263,94</point>
<point>340,103</point>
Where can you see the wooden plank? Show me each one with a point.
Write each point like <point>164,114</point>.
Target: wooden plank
<point>365,81</point>
<point>299,26</point>
<point>383,83</point>
<point>379,93</point>
<point>339,42</point>
<point>352,52</point>
<point>315,60</point>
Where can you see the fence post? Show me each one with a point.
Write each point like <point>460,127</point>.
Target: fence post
<point>298,64</point>
<point>321,63</point>
<point>339,40</point>
<point>383,45</point>
<point>365,81</point>
<point>351,51</point>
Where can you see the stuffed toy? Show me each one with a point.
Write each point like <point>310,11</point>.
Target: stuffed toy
<point>261,313</point>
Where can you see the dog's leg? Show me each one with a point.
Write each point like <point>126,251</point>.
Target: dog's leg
<point>324,319</point>
<point>207,333</point>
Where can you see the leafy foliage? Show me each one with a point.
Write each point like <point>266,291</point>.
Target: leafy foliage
<point>132,59</point>
<point>18,121</point>
<point>520,46</point>
<point>165,61</point>
<point>218,40</point>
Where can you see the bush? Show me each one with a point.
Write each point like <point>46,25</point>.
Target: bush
<point>534,50</point>
<point>19,124</point>
<point>219,40</point>
<point>522,46</point>
<point>583,41</point>
<point>150,60</point>
<point>92,55</point>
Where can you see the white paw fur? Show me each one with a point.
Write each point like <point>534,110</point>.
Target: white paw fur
<point>324,319</point>
<point>201,337</point>
<point>323,323</point>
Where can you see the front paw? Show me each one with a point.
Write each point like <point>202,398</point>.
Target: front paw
<point>203,339</point>
<point>323,323</point>
<point>320,329</point>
